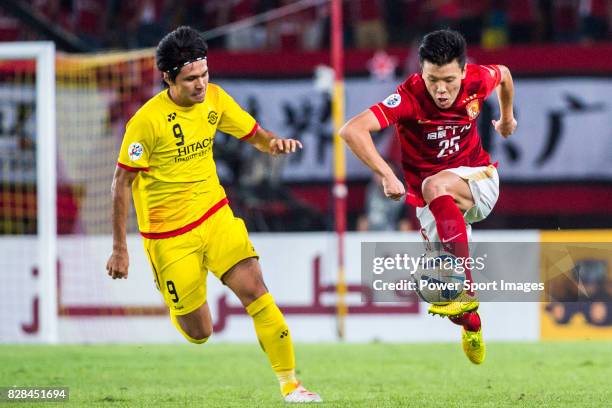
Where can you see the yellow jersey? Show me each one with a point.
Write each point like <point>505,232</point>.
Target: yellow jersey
<point>170,146</point>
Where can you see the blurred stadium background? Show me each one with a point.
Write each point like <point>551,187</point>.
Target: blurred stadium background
<point>72,72</point>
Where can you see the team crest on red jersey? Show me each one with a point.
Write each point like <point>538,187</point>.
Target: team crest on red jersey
<point>473,109</point>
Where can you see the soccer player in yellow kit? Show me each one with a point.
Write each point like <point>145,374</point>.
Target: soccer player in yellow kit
<point>166,160</point>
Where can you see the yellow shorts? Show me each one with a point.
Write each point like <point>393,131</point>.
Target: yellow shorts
<point>180,264</point>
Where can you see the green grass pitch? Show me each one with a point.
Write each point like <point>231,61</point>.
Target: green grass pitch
<point>549,374</point>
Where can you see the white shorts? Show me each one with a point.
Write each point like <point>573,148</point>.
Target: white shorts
<point>484,185</point>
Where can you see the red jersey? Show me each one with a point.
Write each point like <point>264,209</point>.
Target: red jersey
<point>434,139</point>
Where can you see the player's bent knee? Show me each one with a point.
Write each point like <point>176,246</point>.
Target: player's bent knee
<point>197,336</point>
<point>432,188</point>
<point>197,341</point>
<point>253,292</point>
<point>246,281</point>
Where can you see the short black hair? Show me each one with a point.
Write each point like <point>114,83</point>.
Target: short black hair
<point>443,47</point>
<point>178,48</point>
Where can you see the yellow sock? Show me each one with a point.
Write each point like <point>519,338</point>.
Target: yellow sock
<point>287,381</point>
<point>275,340</point>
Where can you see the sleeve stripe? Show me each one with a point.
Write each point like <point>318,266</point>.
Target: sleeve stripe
<point>499,75</point>
<point>128,168</point>
<point>251,133</point>
<point>380,115</point>
<point>495,72</point>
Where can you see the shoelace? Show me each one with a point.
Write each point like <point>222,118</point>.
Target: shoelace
<point>474,341</point>
<point>303,390</point>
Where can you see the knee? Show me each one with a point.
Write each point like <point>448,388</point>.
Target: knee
<point>252,292</point>
<point>195,326</point>
<point>432,188</point>
<point>198,335</point>
<point>246,281</point>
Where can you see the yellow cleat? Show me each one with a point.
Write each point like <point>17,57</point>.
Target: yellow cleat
<point>462,304</point>
<point>473,345</point>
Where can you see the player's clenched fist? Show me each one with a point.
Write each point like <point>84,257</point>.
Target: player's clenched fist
<point>284,146</point>
<point>392,187</point>
<point>504,127</point>
<point>117,265</point>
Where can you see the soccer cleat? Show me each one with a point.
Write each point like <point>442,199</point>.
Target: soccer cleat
<point>462,304</point>
<point>301,395</point>
<point>473,345</point>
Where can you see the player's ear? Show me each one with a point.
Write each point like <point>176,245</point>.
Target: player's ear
<point>463,71</point>
<point>166,78</point>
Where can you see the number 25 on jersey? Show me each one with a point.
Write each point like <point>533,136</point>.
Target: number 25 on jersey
<point>448,146</point>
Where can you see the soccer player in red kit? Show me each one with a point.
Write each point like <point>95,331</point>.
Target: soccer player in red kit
<point>450,177</point>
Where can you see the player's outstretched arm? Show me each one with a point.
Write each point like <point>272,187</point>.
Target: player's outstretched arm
<point>506,124</point>
<point>117,265</point>
<point>268,142</point>
<point>357,135</point>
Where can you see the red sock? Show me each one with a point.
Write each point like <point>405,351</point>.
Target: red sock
<point>470,321</point>
<point>451,228</point>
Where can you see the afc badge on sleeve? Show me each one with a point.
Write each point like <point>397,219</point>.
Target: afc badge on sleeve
<point>135,151</point>
<point>392,100</point>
